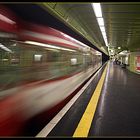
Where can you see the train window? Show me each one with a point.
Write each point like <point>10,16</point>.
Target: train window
<point>53,56</point>
<point>73,61</point>
<point>15,59</point>
<point>37,57</point>
<point>4,57</point>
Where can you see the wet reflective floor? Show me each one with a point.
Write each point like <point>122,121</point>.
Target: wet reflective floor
<point>117,113</point>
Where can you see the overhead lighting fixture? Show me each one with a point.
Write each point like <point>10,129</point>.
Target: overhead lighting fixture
<point>104,34</point>
<point>98,12</point>
<point>100,21</point>
<point>119,48</point>
<point>106,41</point>
<point>97,9</point>
<point>102,28</point>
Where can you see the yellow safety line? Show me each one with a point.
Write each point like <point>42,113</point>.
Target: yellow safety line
<point>84,125</point>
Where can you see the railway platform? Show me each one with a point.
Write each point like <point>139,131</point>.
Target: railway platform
<point>107,106</point>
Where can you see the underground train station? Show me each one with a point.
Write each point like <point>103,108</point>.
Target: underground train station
<point>70,70</point>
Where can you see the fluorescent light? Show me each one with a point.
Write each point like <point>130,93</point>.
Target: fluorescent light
<point>106,42</point>
<point>104,34</point>
<point>97,9</point>
<point>104,38</point>
<point>98,12</point>
<point>100,21</point>
<point>102,28</point>
<point>3,18</point>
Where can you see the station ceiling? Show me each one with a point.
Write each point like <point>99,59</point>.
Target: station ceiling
<point>81,18</point>
<point>122,21</point>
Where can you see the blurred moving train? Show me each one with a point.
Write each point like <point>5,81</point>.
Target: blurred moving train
<point>39,68</point>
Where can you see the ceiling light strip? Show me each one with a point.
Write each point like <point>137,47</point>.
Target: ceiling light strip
<point>98,12</point>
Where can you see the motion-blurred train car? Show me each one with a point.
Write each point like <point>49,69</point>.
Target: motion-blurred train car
<point>40,67</point>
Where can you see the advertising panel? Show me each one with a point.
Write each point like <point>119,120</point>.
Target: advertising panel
<point>138,63</point>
